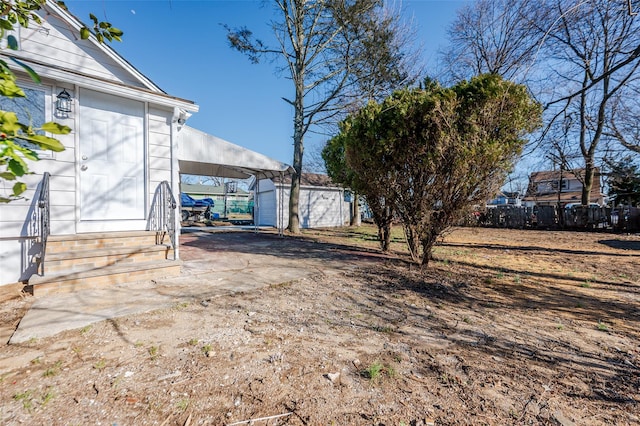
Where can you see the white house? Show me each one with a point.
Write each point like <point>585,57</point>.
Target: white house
<point>119,151</point>
<point>103,210</point>
<point>322,203</point>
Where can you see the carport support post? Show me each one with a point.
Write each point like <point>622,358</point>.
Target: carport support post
<point>224,187</point>
<point>256,204</point>
<point>281,206</point>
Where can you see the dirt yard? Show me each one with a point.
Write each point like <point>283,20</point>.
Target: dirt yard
<point>506,327</point>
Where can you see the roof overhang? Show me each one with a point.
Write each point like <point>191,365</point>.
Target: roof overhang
<point>206,155</point>
<point>76,24</point>
<point>103,85</point>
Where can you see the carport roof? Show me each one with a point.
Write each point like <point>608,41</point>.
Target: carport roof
<point>206,155</point>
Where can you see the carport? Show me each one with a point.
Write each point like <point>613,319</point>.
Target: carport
<point>203,154</point>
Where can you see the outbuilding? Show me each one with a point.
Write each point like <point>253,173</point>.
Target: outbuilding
<point>322,202</point>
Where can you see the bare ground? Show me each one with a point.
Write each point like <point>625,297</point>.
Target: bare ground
<point>506,327</point>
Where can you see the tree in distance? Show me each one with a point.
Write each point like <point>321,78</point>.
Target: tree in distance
<point>624,181</point>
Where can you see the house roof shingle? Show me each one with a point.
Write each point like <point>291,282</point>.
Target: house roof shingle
<point>548,175</point>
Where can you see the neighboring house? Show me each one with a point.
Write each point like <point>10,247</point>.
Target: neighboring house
<point>229,198</point>
<point>322,203</point>
<point>106,200</point>
<point>550,187</point>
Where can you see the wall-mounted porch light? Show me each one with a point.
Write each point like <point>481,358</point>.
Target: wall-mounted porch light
<point>63,103</point>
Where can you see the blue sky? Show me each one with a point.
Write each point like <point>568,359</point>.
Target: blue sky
<point>181,46</point>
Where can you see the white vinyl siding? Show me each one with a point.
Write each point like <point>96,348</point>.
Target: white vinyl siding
<point>65,61</point>
<point>60,165</point>
<point>268,210</point>
<point>159,148</point>
<point>63,182</point>
<point>55,43</point>
<point>319,207</point>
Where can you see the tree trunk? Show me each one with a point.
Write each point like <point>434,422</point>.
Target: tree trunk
<point>589,173</point>
<point>413,241</point>
<point>429,241</point>
<point>384,234</point>
<point>355,211</point>
<point>427,253</point>
<point>382,218</point>
<point>294,195</point>
<point>298,123</point>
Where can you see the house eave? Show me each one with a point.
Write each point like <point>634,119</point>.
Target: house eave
<point>105,85</point>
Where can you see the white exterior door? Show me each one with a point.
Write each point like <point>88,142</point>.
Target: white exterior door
<point>112,163</point>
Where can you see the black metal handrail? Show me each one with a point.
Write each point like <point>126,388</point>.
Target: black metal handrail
<point>162,218</point>
<point>44,215</point>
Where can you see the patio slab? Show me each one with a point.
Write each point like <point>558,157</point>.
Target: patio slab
<point>214,264</point>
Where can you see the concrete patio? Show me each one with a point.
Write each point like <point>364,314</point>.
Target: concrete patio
<point>214,264</point>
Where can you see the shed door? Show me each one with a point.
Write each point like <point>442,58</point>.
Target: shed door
<point>112,165</point>
<point>267,209</point>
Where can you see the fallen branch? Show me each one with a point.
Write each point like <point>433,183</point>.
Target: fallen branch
<point>259,419</point>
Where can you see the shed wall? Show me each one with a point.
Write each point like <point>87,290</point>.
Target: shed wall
<point>319,207</point>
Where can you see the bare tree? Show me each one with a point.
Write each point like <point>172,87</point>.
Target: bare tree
<point>624,126</point>
<point>493,36</point>
<point>580,59</point>
<point>384,60</point>
<point>592,55</point>
<point>313,162</point>
<point>324,44</point>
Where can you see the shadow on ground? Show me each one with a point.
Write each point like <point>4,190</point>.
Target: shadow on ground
<point>622,244</point>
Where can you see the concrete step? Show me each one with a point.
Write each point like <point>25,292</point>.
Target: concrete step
<point>119,273</point>
<point>82,260</point>
<point>99,240</point>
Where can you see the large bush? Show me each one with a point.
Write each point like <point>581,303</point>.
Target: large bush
<point>428,155</point>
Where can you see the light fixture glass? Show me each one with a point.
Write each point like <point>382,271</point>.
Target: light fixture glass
<point>63,103</point>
